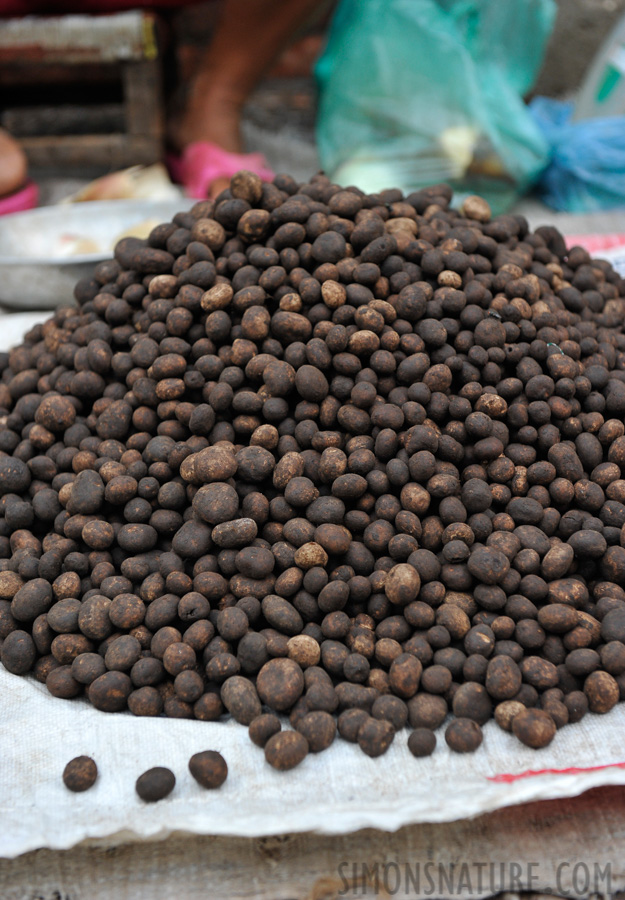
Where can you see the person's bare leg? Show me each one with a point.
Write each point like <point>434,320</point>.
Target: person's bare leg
<point>13,167</point>
<point>248,38</point>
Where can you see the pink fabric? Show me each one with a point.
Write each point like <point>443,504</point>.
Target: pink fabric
<point>595,243</point>
<point>26,198</point>
<point>203,162</point>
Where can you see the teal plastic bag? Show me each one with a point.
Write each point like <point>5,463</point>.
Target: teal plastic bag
<point>416,92</point>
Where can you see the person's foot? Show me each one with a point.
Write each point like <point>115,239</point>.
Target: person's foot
<point>212,116</point>
<point>212,113</point>
<point>13,165</point>
<point>205,168</point>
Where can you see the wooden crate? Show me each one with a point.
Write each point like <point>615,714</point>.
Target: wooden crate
<point>81,50</point>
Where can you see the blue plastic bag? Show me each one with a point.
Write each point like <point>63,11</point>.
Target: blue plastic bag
<point>586,172</point>
<point>415,92</point>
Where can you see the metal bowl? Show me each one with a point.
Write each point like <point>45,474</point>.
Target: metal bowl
<point>36,273</point>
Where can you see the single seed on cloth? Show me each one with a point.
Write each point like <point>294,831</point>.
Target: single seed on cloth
<point>145,701</point>
<point>422,742</point>
<point>80,774</point>
<point>286,750</point>
<point>209,769</point>
<point>534,728</point>
<point>263,727</point>
<point>155,784</point>
<point>110,691</point>
<point>18,652</point>
<point>463,735</point>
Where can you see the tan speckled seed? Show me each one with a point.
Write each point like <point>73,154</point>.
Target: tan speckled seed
<point>505,713</point>
<point>304,650</point>
<point>309,555</point>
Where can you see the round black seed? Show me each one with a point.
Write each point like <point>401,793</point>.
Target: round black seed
<point>155,784</point>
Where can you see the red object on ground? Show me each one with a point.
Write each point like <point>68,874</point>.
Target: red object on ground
<point>202,163</point>
<point>25,198</point>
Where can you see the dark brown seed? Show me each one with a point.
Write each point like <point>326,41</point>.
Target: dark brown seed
<point>534,728</point>
<point>463,735</point>
<point>471,701</point>
<point>209,769</point>
<point>331,452</point>
<point>375,736</point>
<point>577,705</point>
<point>145,701</point>
<point>319,729</point>
<point>155,784</point>
<point>392,709</point>
<point>15,476</point>
<point>80,774</point>
<point>427,711</point>
<point>280,683</point>
<point>402,584</point>
<point>503,678</point>
<point>18,652</point>
<point>240,698</point>
<point>602,692</point>
<point>286,750</point>
<point>110,691</point>
<point>349,723</point>
<point>208,708</point>
<point>422,742</point>
<point>263,727</point>
<point>404,675</point>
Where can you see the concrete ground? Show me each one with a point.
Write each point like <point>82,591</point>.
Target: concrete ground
<point>581,26</point>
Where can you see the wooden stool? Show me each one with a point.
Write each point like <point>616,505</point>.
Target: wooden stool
<point>78,51</point>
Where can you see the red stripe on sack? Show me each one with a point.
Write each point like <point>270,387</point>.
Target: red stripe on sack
<point>595,243</point>
<point>530,773</point>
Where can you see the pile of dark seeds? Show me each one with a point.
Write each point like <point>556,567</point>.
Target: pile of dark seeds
<point>359,459</point>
